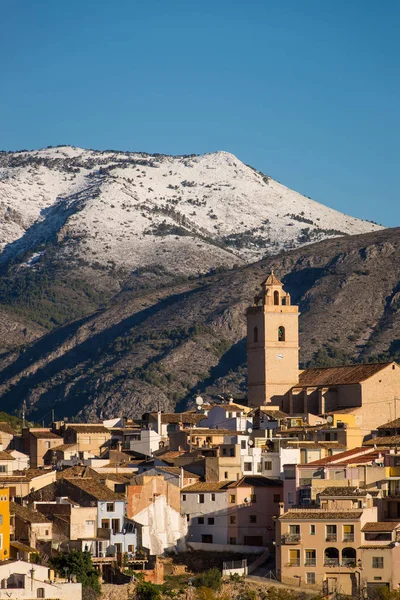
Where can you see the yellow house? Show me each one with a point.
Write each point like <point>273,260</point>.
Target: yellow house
<point>4,524</point>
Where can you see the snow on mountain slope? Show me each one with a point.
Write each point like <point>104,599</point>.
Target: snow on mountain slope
<point>188,213</point>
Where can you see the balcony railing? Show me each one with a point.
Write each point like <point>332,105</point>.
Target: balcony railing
<point>348,537</point>
<point>310,562</point>
<point>331,562</point>
<point>294,563</point>
<point>331,537</point>
<point>291,538</point>
<point>348,562</point>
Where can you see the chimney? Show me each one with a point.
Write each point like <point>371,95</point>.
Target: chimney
<point>281,508</point>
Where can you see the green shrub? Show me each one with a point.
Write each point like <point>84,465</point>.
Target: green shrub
<point>211,579</point>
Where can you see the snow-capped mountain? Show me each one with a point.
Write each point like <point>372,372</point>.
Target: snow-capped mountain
<point>130,210</point>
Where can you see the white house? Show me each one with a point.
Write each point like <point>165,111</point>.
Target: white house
<point>227,416</point>
<point>24,580</point>
<point>205,508</point>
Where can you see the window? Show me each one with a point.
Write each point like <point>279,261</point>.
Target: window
<point>223,451</point>
<point>232,499</point>
<point>253,519</point>
<point>46,532</point>
<point>312,529</point>
<point>377,562</point>
<point>184,497</point>
<point>268,465</point>
<point>40,593</point>
<point>201,498</point>
<point>281,334</point>
<point>232,520</point>
<point>259,467</point>
<point>226,475</point>
<point>253,498</point>
<point>348,533</point>
<point>47,444</point>
<point>3,469</point>
<point>206,538</point>
<point>243,444</point>
<point>290,497</point>
<point>294,558</point>
<point>105,523</point>
<point>276,298</point>
<point>232,540</point>
<point>331,533</point>
<point>310,578</point>
<point>310,558</point>
<point>187,518</point>
<point>213,497</point>
<point>210,521</point>
<point>247,466</point>
<point>277,498</point>
<point>110,506</point>
<point>200,521</point>
<point>255,334</point>
<point>230,415</point>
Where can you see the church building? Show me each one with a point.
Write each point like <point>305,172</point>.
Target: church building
<point>369,391</point>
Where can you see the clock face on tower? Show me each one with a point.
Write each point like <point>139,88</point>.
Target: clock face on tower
<point>279,356</point>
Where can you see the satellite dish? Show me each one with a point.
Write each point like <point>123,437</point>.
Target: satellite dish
<point>249,430</point>
<point>251,443</point>
<point>247,500</point>
<point>199,400</point>
<point>329,419</point>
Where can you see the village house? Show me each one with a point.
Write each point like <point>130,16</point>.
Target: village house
<point>91,438</point>
<point>29,526</point>
<point>22,483</point>
<point>321,546</point>
<point>153,502</point>
<point>230,416</point>
<point>21,580</point>
<point>4,524</point>
<point>380,556</point>
<point>38,443</point>
<point>7,436</point>
<point>70,521</point>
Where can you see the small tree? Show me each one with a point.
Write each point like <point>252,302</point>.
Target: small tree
<point>211,579</point>
<point>79,564</point>
<point>148,591</point>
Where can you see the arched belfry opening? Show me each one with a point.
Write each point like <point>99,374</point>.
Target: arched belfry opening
<point>276,298</point>
<point>281,333</point>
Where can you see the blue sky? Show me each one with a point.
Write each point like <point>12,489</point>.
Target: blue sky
<point>306,91</point>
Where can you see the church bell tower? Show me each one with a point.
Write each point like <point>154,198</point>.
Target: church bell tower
<point>272,345</point>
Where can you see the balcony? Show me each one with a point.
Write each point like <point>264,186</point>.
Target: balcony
<point>294,563</point>
<point>331,537</point>
<point>348,537</point>
<point>291,538</point>
<point>349,562</point>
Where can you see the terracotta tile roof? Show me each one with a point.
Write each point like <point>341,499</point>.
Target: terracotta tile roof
<point>26,475</point>
<point>169,456</point>
<point>27,514</point>
<point>345,491</point>
<point>323,515</point>
<point>207,431</point>
<point>45,435</point>
<point>88,428</point>
<point>191,418</point>
<point>6,428</point>
<point>345,457</point>
<point>277,414</point>
<point>177,471</point>
<point>395,424</point>
<point>95,489</point>
<point>256,481</point>
<point>64,447</point>
<point>208,486</point>
<point>381,526</point>
<point>272,280</point>
<point>5,455</point>
<point>346,375</point>
<point>344,411</point>
<point>387,440</point>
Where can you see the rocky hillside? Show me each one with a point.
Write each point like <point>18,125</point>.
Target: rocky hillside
<point>159,344</point>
